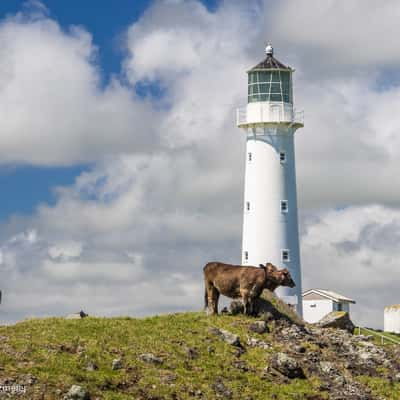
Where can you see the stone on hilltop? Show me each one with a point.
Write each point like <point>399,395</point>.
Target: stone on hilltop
<point>337,319</point>
<point>77,393</point>
<point>258,327</point>
<point>150,358</point>
<point>287,366</point>
<point>116,364</point>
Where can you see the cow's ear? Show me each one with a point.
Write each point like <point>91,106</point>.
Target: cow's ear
<point>270,266</point>
<point>261,266</point>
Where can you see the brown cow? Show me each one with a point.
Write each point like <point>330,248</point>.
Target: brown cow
<point>238,281</point>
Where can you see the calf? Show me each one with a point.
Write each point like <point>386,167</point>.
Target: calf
<point>236,281</point>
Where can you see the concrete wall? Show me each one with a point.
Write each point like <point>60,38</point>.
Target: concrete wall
<point>392,319</point>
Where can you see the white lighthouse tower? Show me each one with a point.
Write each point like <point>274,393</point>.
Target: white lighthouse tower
<point>270,223</point>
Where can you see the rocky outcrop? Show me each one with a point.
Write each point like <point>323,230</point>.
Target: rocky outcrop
<point>227,336</point>
<point>259,327</point>
<point>268,307</point>
<point>337,319</point>
<point>286,365</point>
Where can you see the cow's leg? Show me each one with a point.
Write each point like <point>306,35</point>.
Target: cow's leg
<point>212,298</point>
<point>214,301</point>
<point>209,297</point>
<point>246,301</point>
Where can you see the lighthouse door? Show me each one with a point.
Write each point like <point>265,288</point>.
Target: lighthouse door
<point>276,113</point>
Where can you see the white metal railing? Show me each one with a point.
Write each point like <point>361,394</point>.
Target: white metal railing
<point>268,113</point>
<point>241,116</point>
<point>298,117</point>
<point>382,337</point>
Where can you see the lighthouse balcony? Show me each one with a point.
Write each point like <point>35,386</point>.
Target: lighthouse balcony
<point>261,113</point>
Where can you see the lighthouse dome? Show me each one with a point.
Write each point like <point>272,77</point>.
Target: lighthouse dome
<point>270,80</point>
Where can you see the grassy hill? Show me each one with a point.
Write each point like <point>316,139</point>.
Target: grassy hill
<point>191,361</point>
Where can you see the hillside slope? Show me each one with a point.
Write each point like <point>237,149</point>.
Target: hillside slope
<point>192,356</point>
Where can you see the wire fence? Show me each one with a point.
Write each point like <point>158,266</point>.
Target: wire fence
<point>380,335</point>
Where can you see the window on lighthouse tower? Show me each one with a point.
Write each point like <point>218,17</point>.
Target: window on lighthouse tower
<point>285,255</point>
<point>282,157</point>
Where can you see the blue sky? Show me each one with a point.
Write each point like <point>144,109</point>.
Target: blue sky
<point>24,187</point>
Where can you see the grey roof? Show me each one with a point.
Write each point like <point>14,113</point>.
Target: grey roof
<point>330,294</point>
<point>270,63</point>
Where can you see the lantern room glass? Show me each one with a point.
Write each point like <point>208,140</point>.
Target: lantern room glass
<point>274,85</point>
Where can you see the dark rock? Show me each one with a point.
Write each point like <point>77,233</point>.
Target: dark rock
<point>266,316</point>
<point>287,366</point>
<point>221,390</point>
<point>258,327</point>
<point>239,351</point>
<point>337,319</point>
<point>150,358</point>
<point>210,350</point>
<point>224,310</point>
<point>236,307</point>
<point>299,349</point>
<point>192,353</point>
<point>241,365</point>
<point>116,364</point>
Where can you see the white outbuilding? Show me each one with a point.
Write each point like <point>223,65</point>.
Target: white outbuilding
<point>392,319</point>
<point>319,302</point>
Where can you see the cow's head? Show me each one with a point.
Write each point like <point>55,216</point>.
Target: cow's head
<point>285,279</point>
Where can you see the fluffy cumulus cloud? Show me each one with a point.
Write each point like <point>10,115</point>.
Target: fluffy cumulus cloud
<point>164,195</point>
<point>53,108</point>
<point>354,250</point>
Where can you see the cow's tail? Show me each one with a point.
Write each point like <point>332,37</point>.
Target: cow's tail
<point>205,296</point>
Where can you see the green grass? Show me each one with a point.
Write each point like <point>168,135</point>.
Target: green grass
<point>56,351</point>
<point>378,336</point>
<point>381,387</point>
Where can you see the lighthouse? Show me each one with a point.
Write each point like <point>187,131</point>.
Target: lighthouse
<point>270,221</point>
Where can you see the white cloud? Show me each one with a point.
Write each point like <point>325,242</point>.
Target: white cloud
<point>332,34</point>
<point>354,251</point>
<point>52,106</point>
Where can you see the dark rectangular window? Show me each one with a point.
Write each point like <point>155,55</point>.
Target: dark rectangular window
<point>284,206</point>
<point>249,156</point>
<point>247,206</point>
<point>285,255</point>
<point>246,255</point>
<point>282,156</point>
